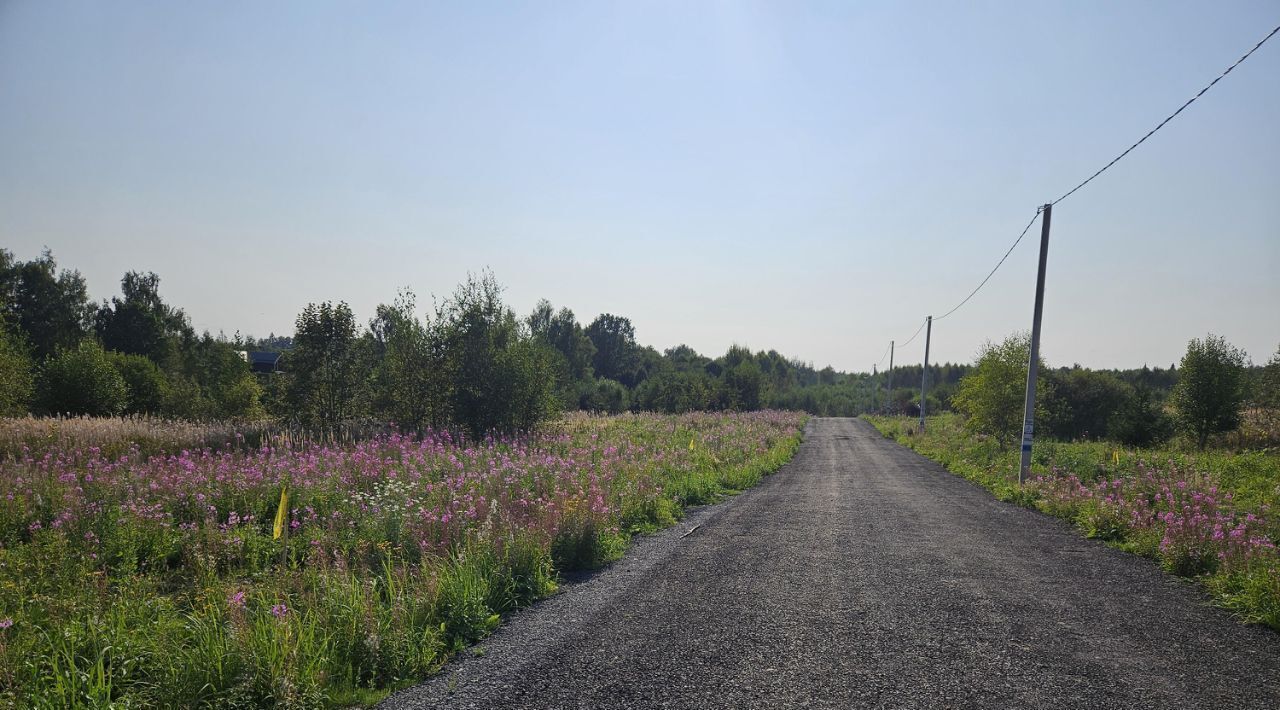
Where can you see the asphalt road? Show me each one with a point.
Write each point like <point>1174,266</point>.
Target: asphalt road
<point>863,575</point>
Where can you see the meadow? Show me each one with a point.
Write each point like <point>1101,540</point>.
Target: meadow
<point>145,565</point>
<point>1209,515</point>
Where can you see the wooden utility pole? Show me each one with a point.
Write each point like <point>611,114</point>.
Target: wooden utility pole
<point>1029,411</point>
<point>924,374</point>
<point>888,398</point>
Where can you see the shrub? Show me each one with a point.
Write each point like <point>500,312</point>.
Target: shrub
<point>147,385</point>
<point>992,394</point>
<point>16,380</point>
<point>1140,422</point>
<point>82,380</point>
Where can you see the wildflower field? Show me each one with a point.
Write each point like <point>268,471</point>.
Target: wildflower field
<point>1210,515</point>
<point>294,574</point>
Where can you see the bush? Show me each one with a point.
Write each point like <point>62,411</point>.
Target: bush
<point>16,380</point>
<point>604,395</point>
<point>147,385</point>
<point>992,394</point>
<point>1139,421</point>
<point>82,380</point>
<point>1080,403</point>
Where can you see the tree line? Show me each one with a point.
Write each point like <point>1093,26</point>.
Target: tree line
<point>468,362</point>
<point>471,362</point>
<point>1207,394</point>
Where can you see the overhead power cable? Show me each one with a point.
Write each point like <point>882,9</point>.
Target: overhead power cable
<point>1171,116</point>
<point>913,336</point>
<point>887,348</point>
<point>997,266</point>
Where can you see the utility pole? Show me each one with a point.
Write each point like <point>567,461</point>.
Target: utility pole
<point>875,389</point>
<point>924,374</point>
<point>1029,412</point>
<point>888,394</point>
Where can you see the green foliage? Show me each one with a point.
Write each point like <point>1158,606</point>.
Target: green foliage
<point>561,330</point>
<point>1247,479</point>
<point>409,386</point>
<point>605,396</point>
<point>1267,394</point>
<point>82,380</point>
<point>1080,403</point>
<point>50,308</point>
<point>1210,389</point>
<point>17,378</point>
<point>140,322</point>
<point>499,382</point>
<point>1139,421</point>
<point>992,394</point>
<point>676,392</point>
<point>617,354</point>
<point>148,388</point>
<point>324,368</point>
<point>743,384</point>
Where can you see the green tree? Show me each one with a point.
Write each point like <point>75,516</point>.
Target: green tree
<point>743,386</point>
<point>139,322</point>
<point>1268,388</point>
<point>607,396</point>
<point>1080,403</point>
<point>1139,420</point>
<point>16,373</point>
<point>573,350</point>
<point>82,380</point>
<point>325,380</point>
<point>499,382</point>
<point>408,381</point>
<point>50,308</point>
<point>1210,389</point>
<point>147,385</point>
<point>616,355</point>
<point>992,395</point>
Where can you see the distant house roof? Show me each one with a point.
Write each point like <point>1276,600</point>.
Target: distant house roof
<point>263,361</point>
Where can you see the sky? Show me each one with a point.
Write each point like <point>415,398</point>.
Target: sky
<point>814,177</point>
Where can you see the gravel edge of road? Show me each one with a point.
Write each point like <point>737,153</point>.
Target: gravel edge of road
<point>581,595</point>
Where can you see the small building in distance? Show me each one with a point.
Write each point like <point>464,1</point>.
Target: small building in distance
<point>261,360</point>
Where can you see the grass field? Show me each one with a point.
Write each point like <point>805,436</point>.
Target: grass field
<point>1209,515</point>
<point>291,574</point>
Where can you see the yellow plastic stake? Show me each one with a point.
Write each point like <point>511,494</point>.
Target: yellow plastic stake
<point>281,513</point>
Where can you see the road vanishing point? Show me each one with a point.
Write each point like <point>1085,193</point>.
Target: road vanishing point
<point>862,575</point>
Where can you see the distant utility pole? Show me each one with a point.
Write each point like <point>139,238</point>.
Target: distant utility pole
<point>924,374</point>
<point>888,393</point>
<point>875,389</point>
<point>1029,412</point>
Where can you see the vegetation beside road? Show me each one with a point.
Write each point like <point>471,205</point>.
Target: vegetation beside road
<point>288,573</point>
<point>1208,514</point>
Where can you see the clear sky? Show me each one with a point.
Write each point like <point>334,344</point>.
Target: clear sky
<point>811,177</point>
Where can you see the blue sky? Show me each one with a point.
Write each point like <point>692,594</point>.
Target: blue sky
<point>811,177</point>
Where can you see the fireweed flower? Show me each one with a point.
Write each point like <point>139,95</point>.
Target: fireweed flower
<point>279,611</point>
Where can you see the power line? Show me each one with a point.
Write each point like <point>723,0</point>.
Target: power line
<point>886,354</point>
<point>1090,179</point>
<point>913,337</point>
<point>998,263</point>
<point>1171,116</point>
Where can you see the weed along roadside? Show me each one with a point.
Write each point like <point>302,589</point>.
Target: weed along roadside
<point>191,579</point>
<point>1205,515</point>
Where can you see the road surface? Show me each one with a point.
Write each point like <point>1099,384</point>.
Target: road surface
<point>863,575</point>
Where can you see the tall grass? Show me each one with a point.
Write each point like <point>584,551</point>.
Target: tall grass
<point>160,581</point>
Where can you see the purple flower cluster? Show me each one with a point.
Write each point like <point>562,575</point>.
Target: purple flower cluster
<point>1198,528</point>
<point>420,494</point>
